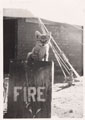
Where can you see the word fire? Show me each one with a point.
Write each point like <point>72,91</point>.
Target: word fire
<point>30,93</point>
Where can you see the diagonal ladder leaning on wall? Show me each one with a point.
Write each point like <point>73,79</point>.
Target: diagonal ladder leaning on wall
<point>61,58</point>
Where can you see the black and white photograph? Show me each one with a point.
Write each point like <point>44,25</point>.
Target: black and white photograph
<point>43,60</point>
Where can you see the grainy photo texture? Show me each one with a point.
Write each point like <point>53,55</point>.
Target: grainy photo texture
<point>43,67</point>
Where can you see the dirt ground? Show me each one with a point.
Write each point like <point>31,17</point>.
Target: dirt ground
<point>68,101</point>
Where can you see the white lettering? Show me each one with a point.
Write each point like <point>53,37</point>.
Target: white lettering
<point>16,93</point>
<point>31,94</point>
<point>40,93</point>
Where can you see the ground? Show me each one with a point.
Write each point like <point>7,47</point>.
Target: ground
<point>68,101</point>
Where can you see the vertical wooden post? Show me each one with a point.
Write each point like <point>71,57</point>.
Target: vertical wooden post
<point>30,89</point>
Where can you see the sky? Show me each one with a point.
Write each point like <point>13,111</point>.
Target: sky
<point>66,11</point>
<point>71,11</point>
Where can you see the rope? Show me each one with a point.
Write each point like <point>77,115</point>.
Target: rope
<point>48,32</point>
<point>54,50</point>
<point>58,60</point>
<point>61,61</point>
<point>56,44</point>
<point>59,49</point>
<point>42,28</point>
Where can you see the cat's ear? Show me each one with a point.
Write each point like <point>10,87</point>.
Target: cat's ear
<point>37,35</point>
